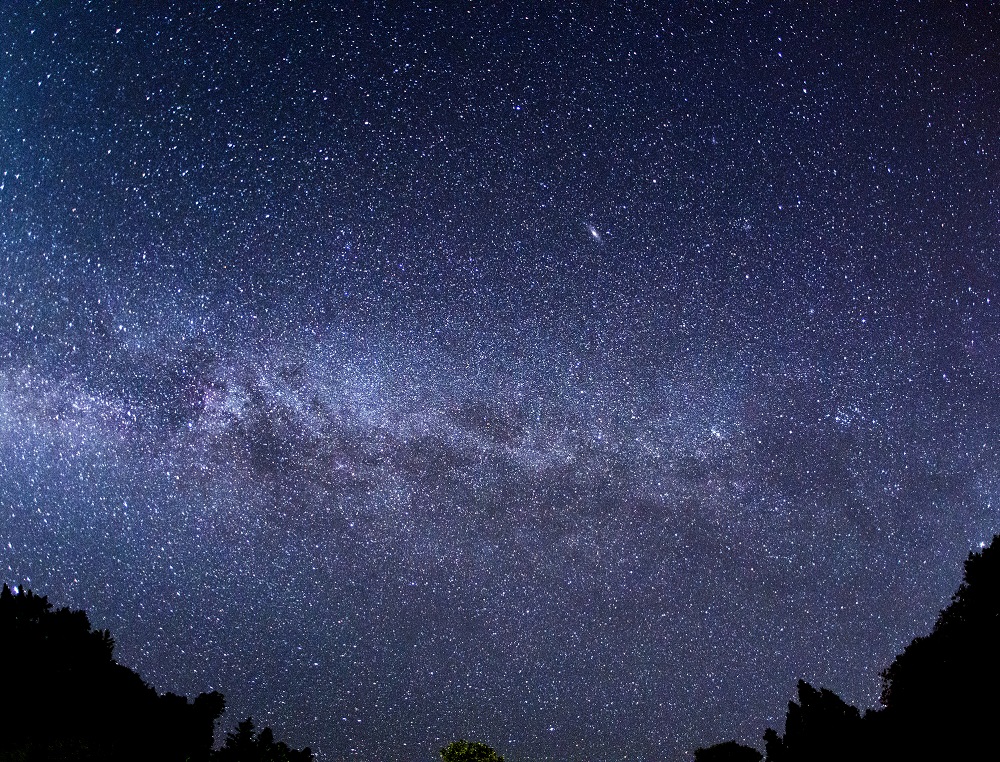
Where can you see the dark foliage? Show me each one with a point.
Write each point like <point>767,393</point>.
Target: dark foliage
<point>469,751</point>
<point>941,696</point>
<point>244,745</point>
<point>72,701</point>
<point>64,698</point>
<point>820,727</point>
<point>730,751</point>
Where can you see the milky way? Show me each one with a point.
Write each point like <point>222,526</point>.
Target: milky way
<point>566,377</point>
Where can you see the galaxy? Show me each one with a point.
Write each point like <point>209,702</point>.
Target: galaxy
<point>572,377</point>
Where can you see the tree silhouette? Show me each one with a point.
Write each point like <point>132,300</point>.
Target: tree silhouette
<point>64,697</point>
<point>730,751</point>
<point>819,727</point>
<point>469,751</point>
<point>941,696</point>
<point>73,701</point>
<point>244,745</point>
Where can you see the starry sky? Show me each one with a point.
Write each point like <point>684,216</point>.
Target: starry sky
<point>569,376</point>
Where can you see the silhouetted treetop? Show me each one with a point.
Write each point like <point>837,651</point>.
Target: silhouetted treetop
<point>244,745</point>
<point>72,701</point>
<point>941,696</point>
<point>941,693</point>
<point>469,751</point>
<point>28,622</point>
<point>819,727</point>
<point>730,751</point>
<point>959,654</point>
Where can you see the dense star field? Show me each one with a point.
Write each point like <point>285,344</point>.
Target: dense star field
<point>569,377</point>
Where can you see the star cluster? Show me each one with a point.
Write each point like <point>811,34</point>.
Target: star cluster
<point>566,376</point>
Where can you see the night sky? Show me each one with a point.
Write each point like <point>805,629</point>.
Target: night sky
<point>573,377</point>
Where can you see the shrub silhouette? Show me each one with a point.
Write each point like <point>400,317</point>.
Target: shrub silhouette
<point>469,751</point>
<point>730,751</point>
